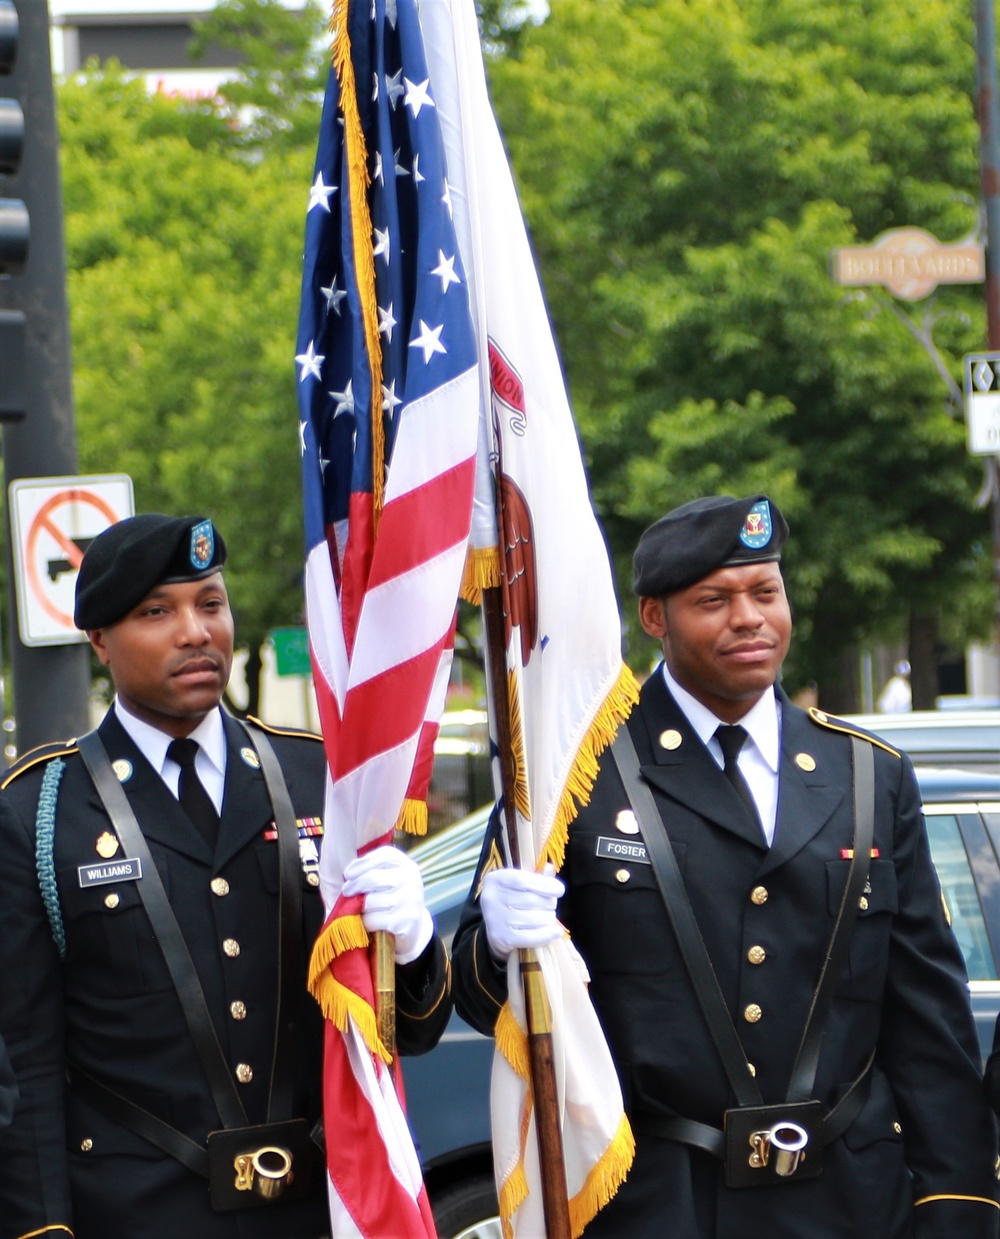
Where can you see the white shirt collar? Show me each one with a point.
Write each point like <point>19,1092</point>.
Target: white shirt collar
<point>153,743</point>
<point>761,721</point>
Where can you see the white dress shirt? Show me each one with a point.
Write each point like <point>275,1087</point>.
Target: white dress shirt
<point>210,762</point>
<point>760,756</point>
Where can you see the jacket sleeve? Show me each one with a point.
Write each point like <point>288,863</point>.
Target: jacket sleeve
<point>929,1050</point>
<point>34,1177</point>
<point>423,999</point>
<point>480,981</point>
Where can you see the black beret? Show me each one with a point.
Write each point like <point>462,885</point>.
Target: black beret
<point>126,561</point>
<point>699,537</point>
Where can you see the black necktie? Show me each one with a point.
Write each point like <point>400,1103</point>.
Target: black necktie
<point>731,741</point>
<point>195,801</point>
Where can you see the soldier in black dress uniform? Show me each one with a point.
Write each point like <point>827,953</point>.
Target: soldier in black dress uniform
<point>756,798</point>
<point>122,1078</point>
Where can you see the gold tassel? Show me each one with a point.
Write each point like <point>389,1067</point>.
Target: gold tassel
<point>361,238</point>
<point>615,709</point>
<point>412,818</point>
<point>482,571</point>
<point>604,1180</point>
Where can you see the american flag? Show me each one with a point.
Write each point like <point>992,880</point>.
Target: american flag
<point>389,394</point>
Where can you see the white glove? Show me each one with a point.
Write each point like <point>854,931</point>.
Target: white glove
<point>519,909</point>
<point>394,899</point>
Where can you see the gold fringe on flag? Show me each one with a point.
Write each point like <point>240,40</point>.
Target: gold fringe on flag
<point>606,1175</point>
<point>605,1178</point>
<point>346,933</point>
<point>412,818</point>
<point>482,571</point>
<point>512,1194</point>
<point>615,709</point>
<point>361,237</point>
<point>340,1004</point>
<point>512,1042</point>
<point>522,799</point>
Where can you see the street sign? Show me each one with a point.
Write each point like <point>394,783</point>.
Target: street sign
<point>910,262</point>
<point>982,402</point>
<point>291,651</point>
<point>53,521</point>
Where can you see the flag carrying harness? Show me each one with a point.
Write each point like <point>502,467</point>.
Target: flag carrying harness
<point>743,1144</point>
<point>239,1177</point>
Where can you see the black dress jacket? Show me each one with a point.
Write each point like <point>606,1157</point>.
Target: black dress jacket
<point>918,1159</point>
<point>110,1007</point>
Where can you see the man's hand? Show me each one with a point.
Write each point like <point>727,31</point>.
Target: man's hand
<point>394,899</point>
<point>519,909</point>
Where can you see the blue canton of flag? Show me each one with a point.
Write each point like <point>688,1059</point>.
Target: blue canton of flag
<point>423,321</point>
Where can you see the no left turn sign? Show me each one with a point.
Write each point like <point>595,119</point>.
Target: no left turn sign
<point>53,521</point>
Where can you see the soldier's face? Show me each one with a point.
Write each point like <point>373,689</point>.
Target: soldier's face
<point>725,637</point>
<point>171,656</point>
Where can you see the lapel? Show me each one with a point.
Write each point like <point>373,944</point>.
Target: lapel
<point>246,806</point>
<point>157,811</point>
<point>807,799</point>
<point>685,773</point>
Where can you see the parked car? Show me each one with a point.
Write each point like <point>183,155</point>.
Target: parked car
<point>966,739</point>
<point>448,1089</point>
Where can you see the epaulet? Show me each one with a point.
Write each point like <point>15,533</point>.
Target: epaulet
<point>283,731</point>
<point>33,757</point>
<point>832,723</point>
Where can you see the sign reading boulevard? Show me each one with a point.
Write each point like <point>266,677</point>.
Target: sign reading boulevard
<point>53,521</point>
<point>982,402</point>
<point>910,263</point>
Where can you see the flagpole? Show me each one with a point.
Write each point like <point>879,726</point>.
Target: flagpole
<point>538,1013</point>
<point>384,952</point>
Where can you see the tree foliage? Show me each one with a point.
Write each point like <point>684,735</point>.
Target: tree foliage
<point>184,262</point>
<point>687,170</point>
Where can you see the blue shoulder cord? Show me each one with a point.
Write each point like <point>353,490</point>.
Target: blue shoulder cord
<point>45,833</point>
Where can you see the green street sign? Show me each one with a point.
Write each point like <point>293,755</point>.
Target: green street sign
<point>291,651</point>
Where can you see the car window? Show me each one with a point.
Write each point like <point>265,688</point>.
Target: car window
<point>958,890</point>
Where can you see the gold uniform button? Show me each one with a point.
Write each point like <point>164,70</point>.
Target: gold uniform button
<point>752,1013</point>
<point>238,1010</point>
<point>756,955</point>
<point>897,1128</point>
<point>758,895</point>
<point>231,947</point>
<point>863,903</point>
<point>312,878</point>
<point>220,887</point>
<point>112,901</point>
<point>244,1073</point>
<point>86,1145</point>
<point>671,739</point>
<point>806,762</point>
<point>753,1069</point>
<point>622,875</point>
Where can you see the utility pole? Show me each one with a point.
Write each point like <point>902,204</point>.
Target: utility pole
<point>51,682</point>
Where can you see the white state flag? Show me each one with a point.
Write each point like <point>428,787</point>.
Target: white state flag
<point>568,686</point>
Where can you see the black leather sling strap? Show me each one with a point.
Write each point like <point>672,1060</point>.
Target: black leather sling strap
<point>702,974</point>
<point>184,974</point>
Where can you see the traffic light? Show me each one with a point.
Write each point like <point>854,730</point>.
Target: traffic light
<point>15,228</point>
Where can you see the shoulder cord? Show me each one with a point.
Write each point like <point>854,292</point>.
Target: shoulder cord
<point>45,832</point>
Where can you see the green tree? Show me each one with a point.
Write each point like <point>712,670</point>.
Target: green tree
<point>687,170</point>
<point>184,262</point>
